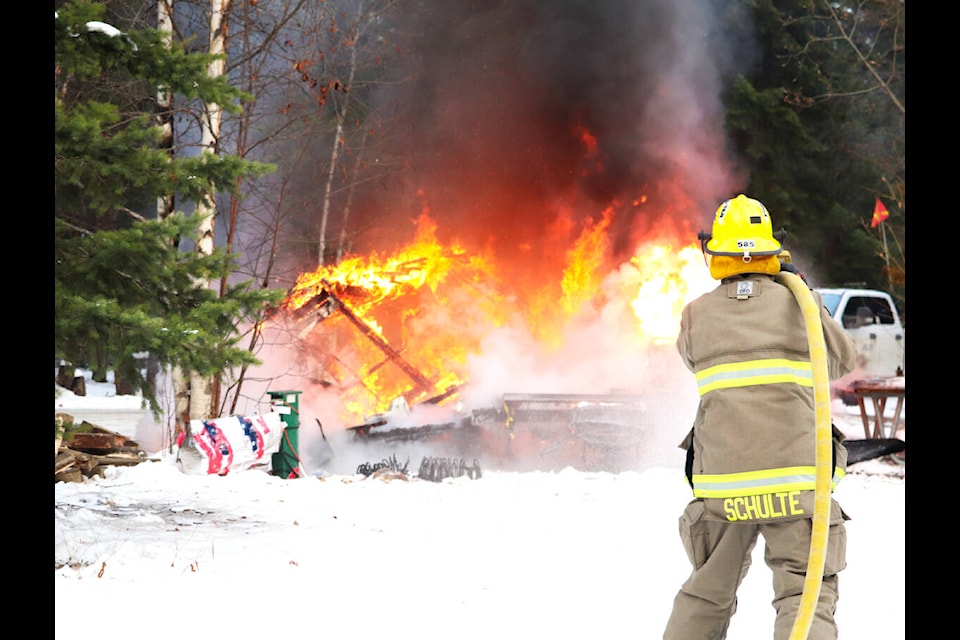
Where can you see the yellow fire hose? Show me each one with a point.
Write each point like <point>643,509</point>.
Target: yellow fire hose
<point>824,454</point>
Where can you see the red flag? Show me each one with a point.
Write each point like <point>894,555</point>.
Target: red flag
<point>880,214</point>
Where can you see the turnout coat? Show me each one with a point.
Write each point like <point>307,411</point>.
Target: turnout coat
<point>751,453</point>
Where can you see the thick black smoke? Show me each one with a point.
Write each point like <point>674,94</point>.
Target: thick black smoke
<point>505,98</point>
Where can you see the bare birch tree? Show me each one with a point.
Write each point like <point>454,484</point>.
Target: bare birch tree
<point>300,62</point>
<point>166,206</point>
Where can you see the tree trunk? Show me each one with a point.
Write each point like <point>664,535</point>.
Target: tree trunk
<point>334,157</point>
<point>163,115</point>
<point>166,205</point>
<point>342,247</point>
<point>201,397</point>
<point>202,400</point>
<point>181,399</point>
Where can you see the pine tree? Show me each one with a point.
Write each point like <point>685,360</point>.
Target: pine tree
<point>122,286</point>
<point>819,123</point>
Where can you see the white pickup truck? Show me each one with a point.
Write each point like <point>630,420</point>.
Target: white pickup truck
<point>871,318</point>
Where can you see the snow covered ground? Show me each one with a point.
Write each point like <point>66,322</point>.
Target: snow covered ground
<point>149,551</point>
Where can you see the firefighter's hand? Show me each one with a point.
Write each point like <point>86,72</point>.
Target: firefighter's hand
<point>789,266</point>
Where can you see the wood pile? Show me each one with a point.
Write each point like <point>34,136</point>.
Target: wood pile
<point>86,449</point>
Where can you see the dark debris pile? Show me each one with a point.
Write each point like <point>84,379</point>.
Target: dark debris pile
<point>390,463</point>
<point>436,469</point>
<point>432,469</point>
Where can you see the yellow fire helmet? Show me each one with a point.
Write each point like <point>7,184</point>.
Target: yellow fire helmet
<point>742,229</point>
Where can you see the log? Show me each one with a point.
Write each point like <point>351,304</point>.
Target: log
<point>73,475</point>
<point>64,377</point>
<point>123,386</point>
<point>85,461</point>
<point>122,458</point>
<point>119,439</point>
<point>64,462</point>
<point>72,465</point>
<point>92,442</point>
<point>95,439</point>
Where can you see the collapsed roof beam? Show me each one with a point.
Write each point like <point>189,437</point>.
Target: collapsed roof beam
<point>391,353</point>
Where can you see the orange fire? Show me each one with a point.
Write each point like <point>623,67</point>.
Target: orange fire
<point>669,279</point>
<point>406,324</point>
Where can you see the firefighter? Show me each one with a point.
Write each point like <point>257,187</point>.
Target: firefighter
<point>751,453</point>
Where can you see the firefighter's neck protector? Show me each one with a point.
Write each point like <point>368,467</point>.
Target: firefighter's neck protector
<point>725,266</point>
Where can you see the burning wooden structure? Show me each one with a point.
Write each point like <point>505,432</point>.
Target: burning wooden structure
<point>543,431</point>
<point>327,302</point>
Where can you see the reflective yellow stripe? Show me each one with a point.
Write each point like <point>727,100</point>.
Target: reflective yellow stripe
<point>754,372</point>
<point>752,483</point>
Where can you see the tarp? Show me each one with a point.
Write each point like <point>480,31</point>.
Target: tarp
<point>232,443</point>
<point>860,450</point>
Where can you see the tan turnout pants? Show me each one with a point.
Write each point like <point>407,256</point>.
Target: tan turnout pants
<point>720,553</point>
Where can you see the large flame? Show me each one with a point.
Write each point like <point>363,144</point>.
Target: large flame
<point>669,279</point>
<point>406,324</point>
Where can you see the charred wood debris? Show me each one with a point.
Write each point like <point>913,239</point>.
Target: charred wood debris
<point>434,469</point>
